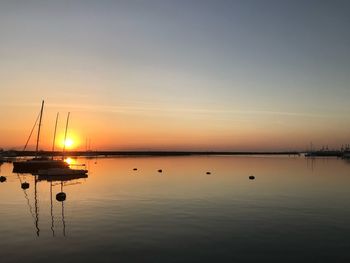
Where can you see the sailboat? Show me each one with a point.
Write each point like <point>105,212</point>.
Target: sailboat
<point>62,171</point>
<point>33,165</point>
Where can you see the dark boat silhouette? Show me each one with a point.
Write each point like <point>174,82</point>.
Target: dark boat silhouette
<point>33,165</point>
<point>346,154</point>
<point>61,171</point>
<point>36,164</point>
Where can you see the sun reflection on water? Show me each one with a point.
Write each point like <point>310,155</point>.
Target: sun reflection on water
<point>70,161</point>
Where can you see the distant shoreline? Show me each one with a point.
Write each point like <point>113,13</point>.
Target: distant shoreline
<point>149,153</point>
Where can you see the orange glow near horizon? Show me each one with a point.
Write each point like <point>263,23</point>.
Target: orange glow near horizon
<point>72,142</point>
<point>88,130</point>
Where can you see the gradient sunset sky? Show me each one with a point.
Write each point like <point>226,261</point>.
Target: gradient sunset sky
<point>177,75</point>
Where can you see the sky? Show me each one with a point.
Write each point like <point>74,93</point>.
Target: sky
<point>176,75</point>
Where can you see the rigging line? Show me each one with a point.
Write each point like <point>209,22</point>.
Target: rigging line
<point>37,118</point>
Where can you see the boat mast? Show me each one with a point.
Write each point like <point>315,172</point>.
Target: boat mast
<point>65,136</point>
<point>37,138</point>
<point>54,135</point>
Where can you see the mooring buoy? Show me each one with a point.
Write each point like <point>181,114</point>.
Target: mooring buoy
<point>60,197</point>
<point>2,179</point>
<point>25,185</point>
<point>252,177</point>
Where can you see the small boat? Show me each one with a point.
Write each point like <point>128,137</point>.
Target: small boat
<point>61,171</point>
<point>7,156</point>
<point>346,154</point>
<point>323,153</point>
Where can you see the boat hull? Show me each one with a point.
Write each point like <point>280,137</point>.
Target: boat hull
<point>32,166</point>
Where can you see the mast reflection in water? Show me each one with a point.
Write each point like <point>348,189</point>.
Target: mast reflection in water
<point>60,182</point>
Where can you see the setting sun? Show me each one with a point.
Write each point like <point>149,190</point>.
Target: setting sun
<point>69,143</point>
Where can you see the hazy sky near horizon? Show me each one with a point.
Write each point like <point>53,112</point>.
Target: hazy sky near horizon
<point>160,74</point>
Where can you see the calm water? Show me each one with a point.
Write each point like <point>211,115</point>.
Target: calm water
<point>296,210</point>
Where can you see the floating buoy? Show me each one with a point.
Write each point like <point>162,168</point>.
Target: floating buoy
<point>60,197</point>
<point>2,179</point>
<point>208,172</point>
<point>135,169</point>
<point>25,185</point>
<point>252,177</point>
<point>160,171</point>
